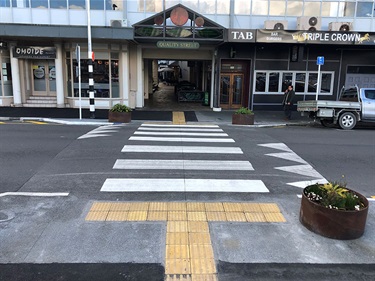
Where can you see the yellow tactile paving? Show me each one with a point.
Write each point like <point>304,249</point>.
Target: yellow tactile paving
<point>96,216</point>
<point>236,216</point>
<point>177,266</point>
<point>178,117</point>
<point>196,216</point>
<point>139,206</point>
<point>157,216</point>
<point>216,216</point>
<point>177,216</point>
<point>158,206</point>
<point>137,216</point>
<point>195,207</point>
<point>214,207</point>
<point>177,252</point>
<point>100,206</point>
<point>269,208</point>
<point>119,206</point>
<point>251,208</point>
<point>177,238</point>
<point>189,252</point>
<point>274,217</point>
<point>255,217</point>
<point>37,122</point>
<point>198,251</point>
<point>117,216</point>
<point>199,238</point>
<point>177,226</point>
<point>198,226</point>
<point>176,206</point>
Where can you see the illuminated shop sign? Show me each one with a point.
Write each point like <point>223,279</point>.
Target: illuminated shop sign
<point>34,52</point>
<point>177,45</point>
<point>241,35</point>
<point>317,37</point>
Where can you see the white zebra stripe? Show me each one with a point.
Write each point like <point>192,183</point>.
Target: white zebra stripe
<point>178,126</point>
<point>179,129</point>
<point>180,139</point>
<point>181,134</point>
<point>182,149</point>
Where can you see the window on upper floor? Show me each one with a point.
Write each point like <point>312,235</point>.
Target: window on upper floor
<point>77,4</point>
<point>5,3</point>
<point>312,8</point>
<point>96,4</point>
<point>58,4</point>
<point>242,7</point>
<point>223,7</point>
<point>260,8</point>
<point>277,8</point>
<point>346,9</point>
<point>365,9</point>
<point>39,4</point>
<point>329,9</point>
<point>294,8</point>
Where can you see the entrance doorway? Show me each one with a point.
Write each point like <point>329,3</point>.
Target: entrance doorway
<point>44,77</point>
<point>231,89</point>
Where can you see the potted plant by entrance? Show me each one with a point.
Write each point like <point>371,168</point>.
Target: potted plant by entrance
<point>243,116</point>
<point>120,113</point>
<point>333,211</point>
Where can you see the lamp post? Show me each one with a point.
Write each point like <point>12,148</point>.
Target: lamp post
<point>90,61</point>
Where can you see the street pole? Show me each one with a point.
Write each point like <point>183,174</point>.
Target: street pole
<point>78,57</point>
<point>318,84</point>
<point>90,63</point>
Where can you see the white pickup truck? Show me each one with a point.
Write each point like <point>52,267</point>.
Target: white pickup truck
<point>355,104</point>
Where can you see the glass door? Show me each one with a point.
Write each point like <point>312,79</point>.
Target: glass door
<point>231,90</point>
<point>44,78</point>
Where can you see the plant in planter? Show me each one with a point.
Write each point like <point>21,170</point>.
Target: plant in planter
<point>120,113</point>
<point>243,116</point>
<point>333,210</point>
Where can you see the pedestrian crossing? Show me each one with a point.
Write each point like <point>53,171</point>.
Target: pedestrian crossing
<point>184,139</point>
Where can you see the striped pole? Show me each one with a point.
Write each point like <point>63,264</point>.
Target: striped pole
<point>90,63</point>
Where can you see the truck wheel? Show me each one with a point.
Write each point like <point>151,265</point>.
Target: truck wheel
<point>347,121</point>
<point>327,123</point>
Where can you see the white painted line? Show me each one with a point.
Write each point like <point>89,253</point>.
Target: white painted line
<point>303,184</point>
<point>180,139</point>
<point>291,156</point>
<point>305,170</point>
<point>204,165</point>
<point>181,134</point>
<point>87,136</point>
<point>181,149</point>
<point>35,194</point>
<point>279,146</point>
<point>179,126</point>
<point>182,185</point>
<point>179,129</point>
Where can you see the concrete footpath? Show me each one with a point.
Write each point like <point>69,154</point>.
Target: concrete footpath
<point>172,237</point>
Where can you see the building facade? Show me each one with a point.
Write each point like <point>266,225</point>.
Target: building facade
<point>241,52</point>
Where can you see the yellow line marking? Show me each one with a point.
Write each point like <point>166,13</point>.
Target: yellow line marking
<point>189,251</point>
<point>178,118</point>
<point>2,122</point>
<point>37,122</point>
<point>372,196</point>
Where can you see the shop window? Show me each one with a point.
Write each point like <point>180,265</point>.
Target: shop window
<point>313,81</point>
<point>6,78</point>
<point>287,79</point>
<point>299,84</point>
<point>273,82</point>
<point>326,83</point>
<point>115,79</point>
<point>260,85</point>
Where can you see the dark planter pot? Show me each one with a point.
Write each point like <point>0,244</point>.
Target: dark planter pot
<point>119,117</point>
<point>243,119</point>
<point>332,223</point>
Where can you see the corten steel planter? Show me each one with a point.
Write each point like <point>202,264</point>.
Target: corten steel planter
<point>333,223</point>
<point>119,117</point>
<point>243,119</point>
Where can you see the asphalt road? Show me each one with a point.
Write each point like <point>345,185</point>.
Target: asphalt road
<point>78,160</point>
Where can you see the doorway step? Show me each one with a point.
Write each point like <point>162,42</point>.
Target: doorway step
<point>41,101</point>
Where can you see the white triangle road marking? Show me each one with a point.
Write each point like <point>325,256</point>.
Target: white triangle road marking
<point>303,184</point>
<point>279,146</point>
<point>305,170</point>
<point>288,156</point>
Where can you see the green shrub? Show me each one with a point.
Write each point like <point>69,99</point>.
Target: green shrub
<point>243,110</point>
<point>120,108</point>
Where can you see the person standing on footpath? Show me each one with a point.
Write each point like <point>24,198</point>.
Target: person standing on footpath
<point>288,102</point>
